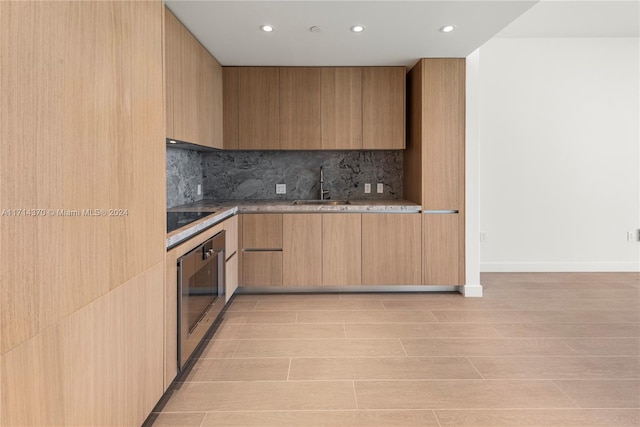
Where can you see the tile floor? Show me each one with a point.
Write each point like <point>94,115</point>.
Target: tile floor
<point>539,349</point>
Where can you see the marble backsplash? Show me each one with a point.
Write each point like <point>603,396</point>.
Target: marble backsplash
<point>184,173</point>
<point>253,175</point>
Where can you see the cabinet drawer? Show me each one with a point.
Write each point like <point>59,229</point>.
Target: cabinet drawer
<point>262,231</point>
<point>262,268</point>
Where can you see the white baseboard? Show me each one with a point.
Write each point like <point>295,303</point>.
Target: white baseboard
<point>471,290</point>
<point>558,267</point>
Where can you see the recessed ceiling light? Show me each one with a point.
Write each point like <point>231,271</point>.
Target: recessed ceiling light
<point>447,28</point>
<point>267,28</point>
<point>315,29</point>
<point>357,28</point>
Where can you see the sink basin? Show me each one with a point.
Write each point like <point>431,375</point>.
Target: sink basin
<point>321,202</point>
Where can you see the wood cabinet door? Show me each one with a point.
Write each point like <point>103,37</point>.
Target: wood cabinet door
<point>231,277</point>
<point>341,108</point>
<point>341,249</point>
<point>230,106</point>
<point>262,231</point>
<point>302,250</point>
<point>231,236</point>
<point>186,116</point>
<point>441,249</point>
<point>391,249</point>
<point>443,134</point>
<point>262,268</point>
<point>300,127</point>
<point>193,88</point>
<point>210,102</point>
<point>258,108</point>
<point>383,108</point>
<point>173,59</point>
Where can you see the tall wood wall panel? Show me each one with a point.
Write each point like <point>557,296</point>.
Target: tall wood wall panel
<point>87,369</point>
<point>81,126</point>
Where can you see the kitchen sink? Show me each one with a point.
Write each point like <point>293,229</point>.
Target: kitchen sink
<point>321,202</point>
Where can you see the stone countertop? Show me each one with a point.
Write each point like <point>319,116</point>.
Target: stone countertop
<point>224,210</point>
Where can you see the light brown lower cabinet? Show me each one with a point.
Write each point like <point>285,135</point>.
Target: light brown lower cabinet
<point>231,276</point>
<point>391,249</point>
<point>341,249</point>
<point>262,268</point>
<point>231,236</point>
<point>261,250</point>
<point>302,250</point>
<point>441,249</point>
<point>349,249</point>
<point>261,231</point>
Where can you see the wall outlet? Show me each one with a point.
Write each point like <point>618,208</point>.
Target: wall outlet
<point>199,189</point>
<point>281,188</point>
<point>380,188</point>
<point>367,188</point>
<point>631,236</point>
<point>483,236</point>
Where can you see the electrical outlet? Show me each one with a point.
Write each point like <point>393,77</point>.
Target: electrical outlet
<point>483,236</point>
<point>380,188</point>
<point>199,189</point>
<point>281,188</point>
<point>367,188</point>
<point>631,236</point>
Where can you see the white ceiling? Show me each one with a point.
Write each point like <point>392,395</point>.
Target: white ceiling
<point>553,18</point>
<point>397,32</point>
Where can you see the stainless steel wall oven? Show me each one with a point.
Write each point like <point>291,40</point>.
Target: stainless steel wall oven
<point>200,293</point>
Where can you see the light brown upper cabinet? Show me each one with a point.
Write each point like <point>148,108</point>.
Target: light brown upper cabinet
<point>258,108</point>
<point>434,160</point>
<point>314,108</point>
<point>391,249</point>
<point>300,108</point>
<point>193,88</point>
<point>341,108</point>
<point>210,119</point>
<point>230,106</point>
<point>383,108</point>
<point>173,58</point>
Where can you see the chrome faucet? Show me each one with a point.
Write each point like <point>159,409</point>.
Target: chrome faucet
<point>322,190</point>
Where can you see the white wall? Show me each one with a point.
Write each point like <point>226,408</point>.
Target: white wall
<point>472,177</point>
<point>559,154</point>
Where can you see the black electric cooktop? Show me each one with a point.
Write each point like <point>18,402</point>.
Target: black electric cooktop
<point>177,220</point>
